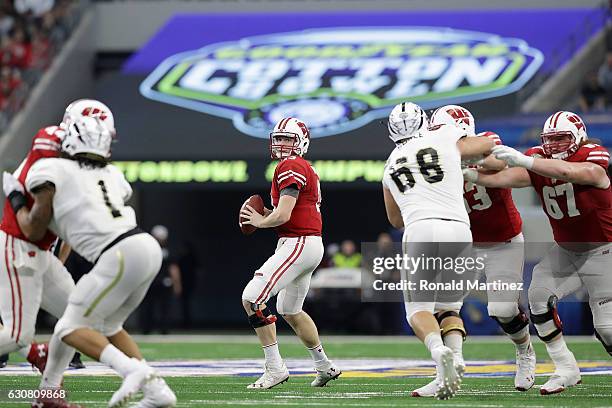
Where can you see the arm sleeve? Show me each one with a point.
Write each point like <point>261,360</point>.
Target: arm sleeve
<point>41,172</point>
<point>289,172</point>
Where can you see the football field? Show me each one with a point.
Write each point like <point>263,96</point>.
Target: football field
<point>213,371</point>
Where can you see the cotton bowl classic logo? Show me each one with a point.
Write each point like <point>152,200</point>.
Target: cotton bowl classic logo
<point>340,79</point>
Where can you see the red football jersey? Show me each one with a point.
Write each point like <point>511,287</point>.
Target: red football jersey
<point>493,215</point>
<point>577,213</point>
<point>306,216</point>
<point>45,144</point>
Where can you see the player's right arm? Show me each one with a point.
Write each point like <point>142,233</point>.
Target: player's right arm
<point>474,147</point>
<point>394,215</point>
<point>515,177</point>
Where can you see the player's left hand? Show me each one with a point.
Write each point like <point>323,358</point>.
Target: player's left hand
<point>11,184</point>
<point>251,216</point>
<point>513,157</point>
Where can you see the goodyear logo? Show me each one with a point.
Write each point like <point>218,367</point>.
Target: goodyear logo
<point>340,79</point>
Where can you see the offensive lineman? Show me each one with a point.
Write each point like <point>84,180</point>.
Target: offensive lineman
<point>296,198</point>
<point>569,174</point>
<point>81,197</point>
<point>423,192</point>
<point>31,277</point>
<point>494,222</point>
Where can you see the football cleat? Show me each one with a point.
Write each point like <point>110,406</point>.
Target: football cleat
<point>76,362</point>
<point>53,403</point>
<point>326,375</point>
<point>525,369</point>
<point>37,356</point>
<point>560,380</point>
<point>157,394</point>
<point>450,376</point>
<point>4,360</point>
<point>132,383</point>
<point>428,390</point>
<point>270,378</point>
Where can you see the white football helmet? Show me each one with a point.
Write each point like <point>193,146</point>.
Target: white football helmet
<point>454,115</point>
<point>562,134</point>
<point>89,127</point>
<point>291,128</point>
<point>405,120</point>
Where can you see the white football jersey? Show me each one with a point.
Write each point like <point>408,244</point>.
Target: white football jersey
<point>424,176</point>
<point>89,209</point>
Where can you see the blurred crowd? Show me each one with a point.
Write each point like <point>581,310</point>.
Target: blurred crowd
<point>31,33</point>
<point>596,92</point>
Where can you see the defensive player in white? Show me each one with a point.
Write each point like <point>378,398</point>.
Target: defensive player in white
<point>496,230</point>
<point>81,198</point>
<point>423,192</point>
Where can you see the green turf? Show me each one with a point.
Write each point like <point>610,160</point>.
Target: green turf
<point>351,392</point>
<point>583,350</point>
<point>228,391</point>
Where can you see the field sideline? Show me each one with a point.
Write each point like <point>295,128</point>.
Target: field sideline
<point>212,371</point>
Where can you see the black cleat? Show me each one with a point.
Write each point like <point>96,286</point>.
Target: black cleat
<point>3,360</point>
<point>76,362</point>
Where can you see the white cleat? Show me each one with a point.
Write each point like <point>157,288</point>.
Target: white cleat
<point>271,377</point>
<point>450,376</point>
<point>324,376</point>
<point>131,385</point>
<point>428,390</point>
<point>525,369</point>
<point>157,394</point>
<point>560,380</point>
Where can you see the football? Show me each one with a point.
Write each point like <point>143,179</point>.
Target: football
<point>256,202</point>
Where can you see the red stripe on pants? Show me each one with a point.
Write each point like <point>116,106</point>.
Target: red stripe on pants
<point>268,285</point>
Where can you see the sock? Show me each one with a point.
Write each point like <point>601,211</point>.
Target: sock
<point>114,358</point>
<point>560,354</point>
<point>59,357</point>
<point>318,356</point>
<point>273,357</point>
<point>432,341</point>
<point>454,341</point>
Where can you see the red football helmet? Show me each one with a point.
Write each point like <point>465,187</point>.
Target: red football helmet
<point>294,129</point>
<point>562,134</point>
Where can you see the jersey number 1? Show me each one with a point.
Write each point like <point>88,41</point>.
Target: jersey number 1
<point>114,212</point>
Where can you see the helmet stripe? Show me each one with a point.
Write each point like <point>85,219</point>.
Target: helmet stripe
<point>556,119</point>
<point>284,123</point>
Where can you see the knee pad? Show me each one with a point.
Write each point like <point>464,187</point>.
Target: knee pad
<point>604,335</point>
<point>518,323</point>
<point>547,324</point>
<point>253,290</point>
<point>261,317</point>
<point>503,310</point>
<point>72,320</point>
<point>447,328</point>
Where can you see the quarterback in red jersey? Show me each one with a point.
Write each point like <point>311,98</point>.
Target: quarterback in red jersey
<point>296,198</point>
<point>498,239</point>
<point>31,277</point>
<point>569,174</point>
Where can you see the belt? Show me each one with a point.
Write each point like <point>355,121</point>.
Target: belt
<point>133,231</point>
